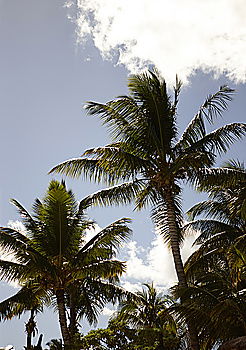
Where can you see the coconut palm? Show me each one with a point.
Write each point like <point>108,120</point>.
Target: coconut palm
<point>147,313</point>
<point>150,157</point>
<point>216,272</point>
<point>224,225</point>
<point>214,304</point>
<point>53,261</point>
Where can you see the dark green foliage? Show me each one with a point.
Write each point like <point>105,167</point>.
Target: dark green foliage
<point>54,263</point>
<point>215,298</point>
<point>142,322</point>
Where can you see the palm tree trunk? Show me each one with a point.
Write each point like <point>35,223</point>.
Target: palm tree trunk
<point>62,316</point>
<point>72,325</point>
<point>30,327</point>
<point>178,263</point>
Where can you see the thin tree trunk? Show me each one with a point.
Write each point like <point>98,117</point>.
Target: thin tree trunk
<point>62,316</point>
<point>72,325</point>
<point>30,327</point>
<point>178,263</point>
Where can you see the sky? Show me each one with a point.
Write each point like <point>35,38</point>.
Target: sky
<point>56,55</point>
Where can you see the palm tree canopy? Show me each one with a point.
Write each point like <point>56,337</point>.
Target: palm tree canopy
<point>147,309</point>
<point>53,253</point>
<point>147,147</point>
<point>216,271</point>
<point>224,211</point>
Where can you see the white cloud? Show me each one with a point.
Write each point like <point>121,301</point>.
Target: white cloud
<point>91,232</point>
<point>177,36</point>
<point>17,225</point>
<point>154,264</point>
<point>107,312</point>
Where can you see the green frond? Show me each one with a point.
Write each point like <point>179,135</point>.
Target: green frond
<point>237,258</point>
<point>177,89</point>
<point>117,114</point>
<point>221,139</point>
<point>217,103</point>
<point>207,228</point>
<point>117,162</point>
<point>115,195</point>
<point>209,208</point>
<point>11,271</point>
<point>25,299</point>
<point>105,269</point>
<point>147,195</point>
<point>219,178</point>
<point>12,240</point>
<point>107,241</point>
<point>213,107</point>
<point>89,168</point>
<point>27,219</point>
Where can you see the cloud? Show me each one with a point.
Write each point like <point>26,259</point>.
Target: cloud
<point>177,36</point>
<point>107,312</point>
<point>154,264</point>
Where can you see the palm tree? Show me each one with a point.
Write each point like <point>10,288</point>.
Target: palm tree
<point>216,271</point>
<point>214,304</point>
<point>147,312</point>
<point>53,260</point>
<point>150,157</point>
<point>224,225</point>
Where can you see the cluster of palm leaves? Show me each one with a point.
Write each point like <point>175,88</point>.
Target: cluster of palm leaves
<point>56,266</point>
<point>216,295</point>
<point>148,162</point>
<point>143,321</point>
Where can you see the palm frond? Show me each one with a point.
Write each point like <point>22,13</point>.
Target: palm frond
<point>118,162</point>
<point>106,241</point>
<point>28,220</point>
<point>207,228</point>
<point>89,168</point>
<point>219,177</point>
<point>115,195</point>
<point>213,107</point>
<point>221,139</point>
<point>12,240</point>
<point>25,299</point>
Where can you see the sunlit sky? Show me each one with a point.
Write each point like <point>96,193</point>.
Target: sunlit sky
<point>56,55</point>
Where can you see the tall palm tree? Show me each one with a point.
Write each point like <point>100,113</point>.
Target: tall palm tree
<point>216,271</point>
<point>53,261</point>
<point>150,157</point>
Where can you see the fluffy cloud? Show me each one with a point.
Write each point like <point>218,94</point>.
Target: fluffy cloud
<point>177,36</point>
<point>154,264</point>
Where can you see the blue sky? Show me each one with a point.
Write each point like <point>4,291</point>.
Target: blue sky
<point>54,58</point>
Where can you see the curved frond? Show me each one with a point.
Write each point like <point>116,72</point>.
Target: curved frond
<point>28,220</point>
<point>106,241</point>
<point>221,139</point>
<point>12,240</point>
<point>89,168</point>
<point>213,107</point>
<point>124,193</point>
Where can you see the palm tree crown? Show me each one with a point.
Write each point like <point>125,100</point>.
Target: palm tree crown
<point>55,264</point>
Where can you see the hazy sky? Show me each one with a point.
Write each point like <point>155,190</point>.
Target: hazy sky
<point>55,56</point>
